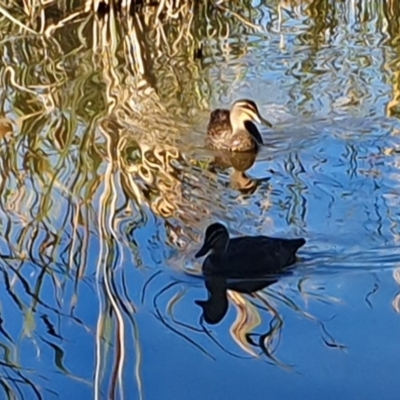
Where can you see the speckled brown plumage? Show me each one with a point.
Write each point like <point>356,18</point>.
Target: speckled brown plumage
<point>221,135</point>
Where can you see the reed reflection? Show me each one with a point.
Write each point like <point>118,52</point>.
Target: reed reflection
<point>257,302</point>
<point>255,308</point>
<point>75,186</point>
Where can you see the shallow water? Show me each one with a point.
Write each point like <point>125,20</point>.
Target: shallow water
<point>106,189</point>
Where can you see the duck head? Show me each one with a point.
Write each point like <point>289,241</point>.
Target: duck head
<point>216,240</point>
<point>213,309</point>
<point>246,110</point>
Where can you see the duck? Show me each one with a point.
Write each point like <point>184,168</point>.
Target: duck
<point>234,130</point>
<point>246,256</point>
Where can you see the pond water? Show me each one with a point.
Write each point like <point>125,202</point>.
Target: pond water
<point>107,188</point>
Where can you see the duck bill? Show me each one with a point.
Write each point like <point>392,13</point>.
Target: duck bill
<point>265,122</point>
<point>203,251</point>
<point>201,303</point>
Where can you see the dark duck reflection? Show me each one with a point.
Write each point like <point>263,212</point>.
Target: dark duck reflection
<point>244,264</point>
<point>216,306</point>
<point>234,130</point>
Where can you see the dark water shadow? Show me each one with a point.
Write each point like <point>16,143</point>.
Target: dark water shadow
<point>260,315</point>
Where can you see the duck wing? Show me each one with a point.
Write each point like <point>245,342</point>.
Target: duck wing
<point>254,256</point>
<point>219,128</point>
<point>264,244</point>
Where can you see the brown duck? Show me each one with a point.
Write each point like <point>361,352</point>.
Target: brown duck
<point>234,130</point>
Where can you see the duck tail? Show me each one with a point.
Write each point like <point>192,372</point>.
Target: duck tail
<point>297,243</point>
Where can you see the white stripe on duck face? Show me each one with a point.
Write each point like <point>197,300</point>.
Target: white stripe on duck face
<point>249,113</point>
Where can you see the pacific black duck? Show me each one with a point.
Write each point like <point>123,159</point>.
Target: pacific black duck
<point>247,256</point>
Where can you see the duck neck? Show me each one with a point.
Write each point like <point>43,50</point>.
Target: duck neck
<point>237,121</point>
<point>220,247</point>
<point>217,251</point>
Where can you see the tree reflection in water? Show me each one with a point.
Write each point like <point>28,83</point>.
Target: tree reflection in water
<point>101,120</point>
<point>254,300</point>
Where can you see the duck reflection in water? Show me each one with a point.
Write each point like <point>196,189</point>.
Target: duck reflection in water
<point>240,163</point>
<point>243,264</point>
<point>216,306</point>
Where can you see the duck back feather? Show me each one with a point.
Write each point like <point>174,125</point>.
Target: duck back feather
<point>253,256</point>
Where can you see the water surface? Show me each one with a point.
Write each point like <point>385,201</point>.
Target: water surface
<point>106,189</point>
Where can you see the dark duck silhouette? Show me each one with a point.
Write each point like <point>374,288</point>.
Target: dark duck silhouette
<point>234,130</point>
<point>247,256</point>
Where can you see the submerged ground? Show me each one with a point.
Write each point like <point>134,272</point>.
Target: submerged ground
<point>106,189</point>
